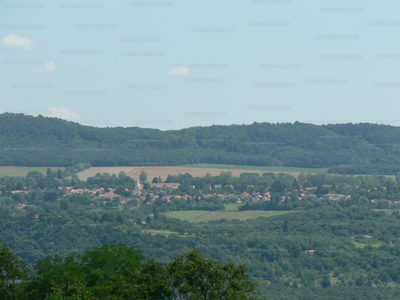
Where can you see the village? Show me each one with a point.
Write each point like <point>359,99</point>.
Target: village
<point>170,192</point>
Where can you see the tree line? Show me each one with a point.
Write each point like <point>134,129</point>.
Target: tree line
<point>346,148</point>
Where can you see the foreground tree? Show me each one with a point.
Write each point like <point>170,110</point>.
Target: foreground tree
<point>193,277</point>
<point>120,272</point>
<point>13,271</point>
<point>110,270</point>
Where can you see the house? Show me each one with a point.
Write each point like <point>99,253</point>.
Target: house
<point>217,186</point>
<point>244,195</point>
<point>145,231</point>
<point>311,188</point>
<point>170,186</point>
<point>109,195</point>
<point>207,187</point>
<point>20,206</point>
<point>335,197</point>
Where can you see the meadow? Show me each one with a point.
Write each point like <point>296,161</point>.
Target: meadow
<point>23,171</point>
<point>196,216</point>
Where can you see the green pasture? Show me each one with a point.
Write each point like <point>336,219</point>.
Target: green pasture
<point>23,171</point>
<point>196,216</point>
<point>362,245</point>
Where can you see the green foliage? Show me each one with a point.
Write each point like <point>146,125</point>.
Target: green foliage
<point>13,270</point>
<point>118,272</point>
<point>194,277</point>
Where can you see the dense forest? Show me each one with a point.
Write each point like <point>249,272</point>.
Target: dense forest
<point>345,148</point>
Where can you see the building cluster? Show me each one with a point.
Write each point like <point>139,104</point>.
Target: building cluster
<point>167,192</point>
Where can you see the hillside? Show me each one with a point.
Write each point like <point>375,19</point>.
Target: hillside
<point>361,148</point>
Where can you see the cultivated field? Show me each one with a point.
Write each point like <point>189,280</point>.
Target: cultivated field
<point>199,170</point>
<point>196,216</point>
<point>23,171</point>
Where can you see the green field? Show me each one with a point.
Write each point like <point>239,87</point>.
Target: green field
<point>361,245</point>
<point>23,171</point>
<point>196,216</point>
<point>233,206</point>
<point>386,210</point>
<point>186,214</point>
<point>163,232</point>
<point>265,168</point>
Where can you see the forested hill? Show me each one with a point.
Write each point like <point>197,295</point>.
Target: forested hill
<point>39,141</point>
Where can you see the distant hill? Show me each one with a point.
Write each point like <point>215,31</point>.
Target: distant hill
<point>347,148</point>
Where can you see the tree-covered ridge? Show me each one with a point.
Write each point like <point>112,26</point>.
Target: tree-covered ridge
<point>363,148</point>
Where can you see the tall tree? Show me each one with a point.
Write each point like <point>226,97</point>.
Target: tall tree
<point>143,177</point>
<point>48,173</point>
<point>286,226</point>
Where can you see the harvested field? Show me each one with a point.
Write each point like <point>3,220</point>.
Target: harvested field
<point>195,170</point>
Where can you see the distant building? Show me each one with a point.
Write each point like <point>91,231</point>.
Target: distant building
<point>207,187</point>
<point>137,184</point>
<point>170,186</point>
<point>336,197</point>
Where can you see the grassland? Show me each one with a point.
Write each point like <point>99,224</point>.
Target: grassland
<point>362,245</point>
<point>196,216</point>
<point>163,232</point>
<point>386,210</point>
<point>186,214</point>
<point>232,206</point>
<point>23,171</point>
<point>199,170</point>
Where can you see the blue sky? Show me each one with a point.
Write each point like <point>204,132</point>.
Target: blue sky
<point>178,64</point>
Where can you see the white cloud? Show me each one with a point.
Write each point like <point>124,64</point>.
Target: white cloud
<point>179,71</point>
<point>50,67</point>
<point>14,41</point>
<point>62,113</point>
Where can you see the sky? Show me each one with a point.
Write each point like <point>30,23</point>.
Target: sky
<point>178,64</point>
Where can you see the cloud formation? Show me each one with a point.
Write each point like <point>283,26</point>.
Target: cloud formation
<point>62,113</point>
<point>179,71</point>
<point>14,41</point>
<point>49,68</point>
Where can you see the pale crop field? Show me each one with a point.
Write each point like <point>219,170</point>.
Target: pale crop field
<point>199,170</point>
